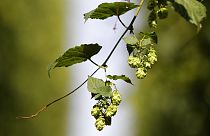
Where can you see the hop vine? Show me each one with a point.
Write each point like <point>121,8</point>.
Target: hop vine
<point>107,101</point>
<point>142,54</point>
<point>105,109</point>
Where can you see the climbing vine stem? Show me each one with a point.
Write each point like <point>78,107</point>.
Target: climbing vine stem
<point>130,27</point>
<point>141,49</point>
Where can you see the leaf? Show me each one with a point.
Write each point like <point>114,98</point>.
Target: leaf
<point>97,86</point>
<point>149,35</point>
<point>75,55</point>
<point>148,38</point>
<point>192,10</point>
<point>105,91</point>
<point>130,48</point>
<point>131,40</point>
<point>152,36</point>
<point>106,10</point>
<point>122,77</point>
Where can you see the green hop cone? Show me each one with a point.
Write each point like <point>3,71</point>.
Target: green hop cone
<point>141,73</point>
<point>152,57</point>
<point>111,110</point>
<point>147,64</point>
<point>134,62</point>
<point>96,112</point>
<point>116,97</point>
<point>162,13</point>
<point>100,123</point>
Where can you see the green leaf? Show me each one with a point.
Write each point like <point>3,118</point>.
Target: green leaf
<point>152,36</point>
<point>75,55</point>
<point>106,10</point>
<point>97,86</point>
<point>131,40</point>
<point>130,48</point>
<point>148,38</point>
<point>105,91</point>
<point>122,77</point>
<point>149,35</point>
<point>192,10</point>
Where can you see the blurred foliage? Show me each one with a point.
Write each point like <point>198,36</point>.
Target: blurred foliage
<point>31,34</point>
<point>174,98</point>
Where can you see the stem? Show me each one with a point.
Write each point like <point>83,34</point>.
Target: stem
<point>93,62</point>
<point>139,7</point>
<point>56,100</point>
<point>121,22</point>
<point>130,27</point>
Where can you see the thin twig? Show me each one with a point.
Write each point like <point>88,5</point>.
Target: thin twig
<point>130,27</point>
<point>121,22</point>
<point>56,100</point>
<point>93,62</point>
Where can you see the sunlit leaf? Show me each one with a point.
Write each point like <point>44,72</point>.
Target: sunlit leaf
<point>98,86</point>
<point>131,40</point>
<point>106,10</point>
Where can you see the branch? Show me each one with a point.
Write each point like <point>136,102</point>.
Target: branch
<point>130,27</point>
<point>121,22</point>
<point>56,100</point>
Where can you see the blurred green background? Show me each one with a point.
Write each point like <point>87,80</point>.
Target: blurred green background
<point>174,98</point>
<point>31,36</point>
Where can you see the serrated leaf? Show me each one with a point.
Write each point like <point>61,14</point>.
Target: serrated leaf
<point>97,86</point>
<point>192,10</point>
<point>121,77</point>
<point>106,10</point>
<point>75,55</point>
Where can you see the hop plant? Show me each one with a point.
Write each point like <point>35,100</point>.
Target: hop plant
<point>100,123</point>
<point>96,112</point>
<point>116,97</point>
<point>133,62</point>
<point>141,73</point>
<point>147,64</point>
<point>152,57</point>
<point>111,110</point>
